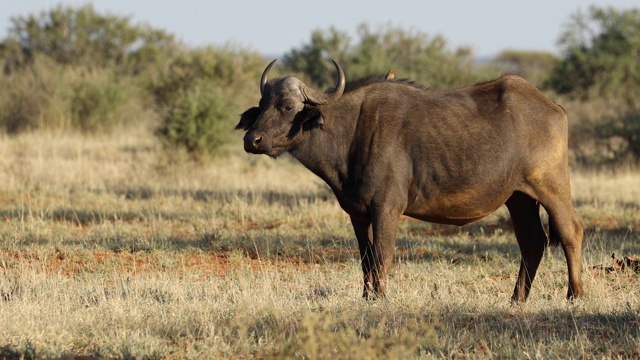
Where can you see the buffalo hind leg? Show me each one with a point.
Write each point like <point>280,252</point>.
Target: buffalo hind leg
<point>532,241</point>
<point>364,234</point>
<point>554,194</point>
<point>565,228</point>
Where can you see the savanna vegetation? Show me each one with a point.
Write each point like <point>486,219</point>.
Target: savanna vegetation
<point>73,69</point>
<point>134,226</point>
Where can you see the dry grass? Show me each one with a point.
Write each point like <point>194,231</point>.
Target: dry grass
<point>109,249</point>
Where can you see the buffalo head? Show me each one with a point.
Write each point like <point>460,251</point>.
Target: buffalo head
<point>286,108</point>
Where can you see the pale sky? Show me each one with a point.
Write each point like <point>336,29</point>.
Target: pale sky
<point>274,27</point>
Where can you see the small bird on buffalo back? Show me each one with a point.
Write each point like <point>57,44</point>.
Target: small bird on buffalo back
<point>390,75</point>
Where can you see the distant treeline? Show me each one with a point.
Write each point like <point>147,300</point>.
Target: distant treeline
<point>73,69</point>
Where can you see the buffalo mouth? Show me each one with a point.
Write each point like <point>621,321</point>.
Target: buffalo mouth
<point>256,151</point>
<point>273,153</point>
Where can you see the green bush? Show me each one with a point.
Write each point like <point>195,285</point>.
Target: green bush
<point>35,98</point>
<point>196,120</point>
<point>228,68</point>
<point>99,103</point>
<point>621,134</point>
<point>200,95</point>
<point>49,96</point>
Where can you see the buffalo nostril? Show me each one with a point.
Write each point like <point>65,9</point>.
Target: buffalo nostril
<point>256,142</point>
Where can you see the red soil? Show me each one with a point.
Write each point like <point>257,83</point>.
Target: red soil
<point>209,263</point>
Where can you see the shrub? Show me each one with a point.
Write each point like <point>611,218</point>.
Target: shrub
<point>195,120</point>
<point>49,96</point>
<point>34,98</point>
<point>102,102</point>
<point>200,95</point>
<point>621,135</point>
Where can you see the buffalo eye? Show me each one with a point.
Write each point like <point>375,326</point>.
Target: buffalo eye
<point>287,107</point>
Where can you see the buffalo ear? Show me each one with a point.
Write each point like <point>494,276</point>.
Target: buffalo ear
<point>312,119</point>
<point>248,118</point>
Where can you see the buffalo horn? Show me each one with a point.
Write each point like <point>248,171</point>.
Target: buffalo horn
<point>319,98</point>
<point>265,75</point>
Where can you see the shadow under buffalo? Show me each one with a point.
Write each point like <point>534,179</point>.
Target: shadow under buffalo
<point>264,197</point>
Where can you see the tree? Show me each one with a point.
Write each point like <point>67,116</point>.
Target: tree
<point>416,55</point>
<point>600,56</point>
<point>311,60</point>
<point>600,66</point>
<point>83,37</point>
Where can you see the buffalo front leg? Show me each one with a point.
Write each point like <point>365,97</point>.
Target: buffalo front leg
<point>376,240</point>
<point>385,228</point>
<point>532,240</point>
<point>364,234</point>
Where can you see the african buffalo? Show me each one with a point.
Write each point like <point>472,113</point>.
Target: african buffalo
<point>388,148</point>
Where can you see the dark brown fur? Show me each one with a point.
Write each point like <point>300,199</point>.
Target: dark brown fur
<point>388,148</point>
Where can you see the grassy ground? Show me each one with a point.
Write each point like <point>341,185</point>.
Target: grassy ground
<point>108,249</point>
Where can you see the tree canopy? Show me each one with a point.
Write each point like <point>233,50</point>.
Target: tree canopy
<point>81,36</point>
<point>601,49</point>
<point>600,65</point>
<point>422,57</point>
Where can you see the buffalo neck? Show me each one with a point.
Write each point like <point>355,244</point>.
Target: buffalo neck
<point>324,151</point>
